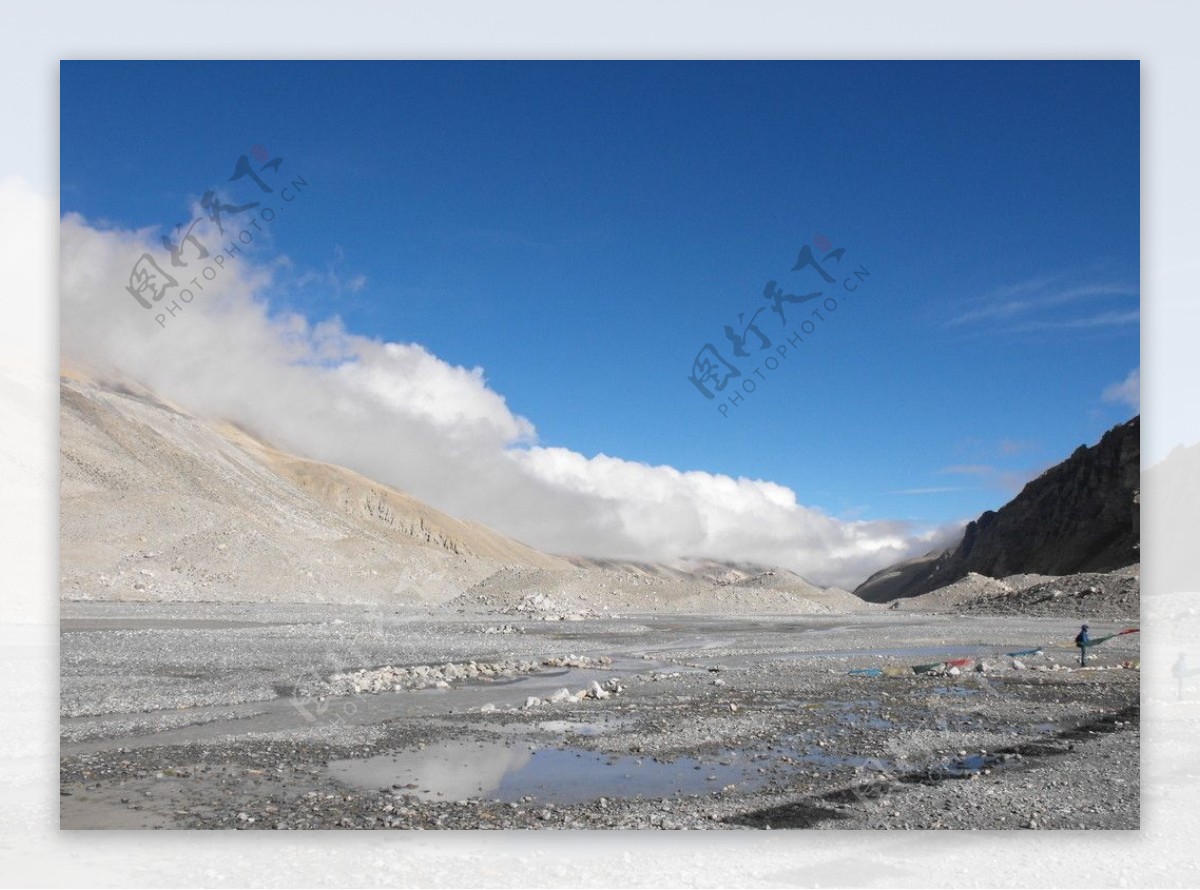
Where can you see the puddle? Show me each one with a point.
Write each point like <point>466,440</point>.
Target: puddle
<point>509,772</point>
<point>954,690</point>
<point>857,714</point>
<point>816,756</point>
<point>867,721</point>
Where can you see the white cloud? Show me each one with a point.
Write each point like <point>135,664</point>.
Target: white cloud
<point>397,413</point>
<point>1096,320</point>
<point>332,278</point>
<point>1024,306</point>
<point>1037,301</point>
<point>1127,392</point>
<point>995,477</point>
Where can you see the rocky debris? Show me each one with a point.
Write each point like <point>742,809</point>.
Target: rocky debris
<point>421,676</point>
<point>578,661</point>
<point>1092,595</point>
<point>605,590</point>
<point>504,629</point>
<point>1079,516</point>
<point>954,596</point>
<point>542,607</point>
<point>1110,595</point>
<point>425,676</point>
<point>595,691</point>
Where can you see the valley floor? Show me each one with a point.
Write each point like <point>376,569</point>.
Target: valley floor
<point>233,716</point>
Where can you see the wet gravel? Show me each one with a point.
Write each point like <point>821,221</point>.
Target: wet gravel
<point>199,719</point>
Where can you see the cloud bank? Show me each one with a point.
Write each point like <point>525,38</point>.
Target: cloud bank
<point>397,413</point>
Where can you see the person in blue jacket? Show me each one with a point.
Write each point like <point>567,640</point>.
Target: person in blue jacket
<point>1082,640</point>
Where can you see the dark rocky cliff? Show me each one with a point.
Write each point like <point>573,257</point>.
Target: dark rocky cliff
<point>1079,516</point>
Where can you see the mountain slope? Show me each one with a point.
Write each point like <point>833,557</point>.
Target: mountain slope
<point>159,505</point>
<point>1079,516</point>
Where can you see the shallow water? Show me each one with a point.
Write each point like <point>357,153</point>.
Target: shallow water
<point>291,713</point>
<point>954,690</point>
<point>509,771</point>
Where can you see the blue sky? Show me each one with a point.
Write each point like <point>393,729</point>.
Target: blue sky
<point>580,230</point>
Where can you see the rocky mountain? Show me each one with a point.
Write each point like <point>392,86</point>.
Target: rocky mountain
<point>1079,516</point>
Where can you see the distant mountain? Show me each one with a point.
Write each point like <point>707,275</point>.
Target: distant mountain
<point>1079,516</point>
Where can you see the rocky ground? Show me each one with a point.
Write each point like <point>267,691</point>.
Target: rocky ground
<point>283,717</point>
<point>1087,596</point>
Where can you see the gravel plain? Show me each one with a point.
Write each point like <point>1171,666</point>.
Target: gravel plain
<point>225,715</point>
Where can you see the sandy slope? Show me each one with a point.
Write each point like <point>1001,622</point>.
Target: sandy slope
<point>157,505</point>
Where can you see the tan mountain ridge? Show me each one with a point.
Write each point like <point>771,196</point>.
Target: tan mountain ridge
<point>160,505</point>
